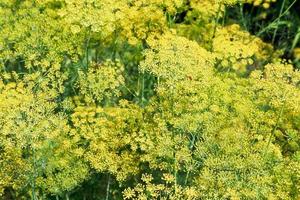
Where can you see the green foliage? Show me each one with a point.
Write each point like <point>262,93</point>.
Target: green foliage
<point>39,154</point>
<point>136,99</point>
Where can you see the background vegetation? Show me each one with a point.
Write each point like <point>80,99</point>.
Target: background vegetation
<point>149,99</point>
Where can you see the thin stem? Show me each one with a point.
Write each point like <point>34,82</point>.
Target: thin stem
<point>87,49</point>
<point>34,176</point>
<point>67,196</point>
<point>143,86</point>
<point>175,173</point>
<point>224,17</point>
<point>107,187</point>
<point>275,127</point>
<point>275,32</point>
<point>277,19</point>
<point>187,177</point>
<point>242,15</point>
<point>295,41</point>
<point>216,20</point>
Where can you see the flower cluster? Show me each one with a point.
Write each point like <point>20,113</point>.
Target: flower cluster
<point>147,99</point>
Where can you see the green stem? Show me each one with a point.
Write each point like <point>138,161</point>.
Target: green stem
<point>242,15</point>
<point>143,86</point>
<point>216,21</point>
<point>277,19</point>
<point>34,176</point>
<point>187,177</point>
<point>280,13</point>
<point>67,196</point>
<point>175,173</point>
<point>275,127</point>
<point>107,188</point>
<point>87,48</point>
<point>295,41</point>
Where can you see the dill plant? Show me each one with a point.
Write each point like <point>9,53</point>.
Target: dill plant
<point>173,99</point>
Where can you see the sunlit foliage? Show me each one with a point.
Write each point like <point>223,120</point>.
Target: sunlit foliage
<point>149,99</point>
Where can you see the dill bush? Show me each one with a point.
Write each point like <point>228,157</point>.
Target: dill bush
<point>149,99</point>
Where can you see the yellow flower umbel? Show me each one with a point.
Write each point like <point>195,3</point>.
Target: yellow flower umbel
<point>101,83</point>
<point>263,3</point>
<point>176,58</point>
<point>38,152</point>
<point>112,134</point>
<point>237,49</point>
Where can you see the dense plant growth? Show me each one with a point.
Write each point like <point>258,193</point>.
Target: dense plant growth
<point>149,99</point>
